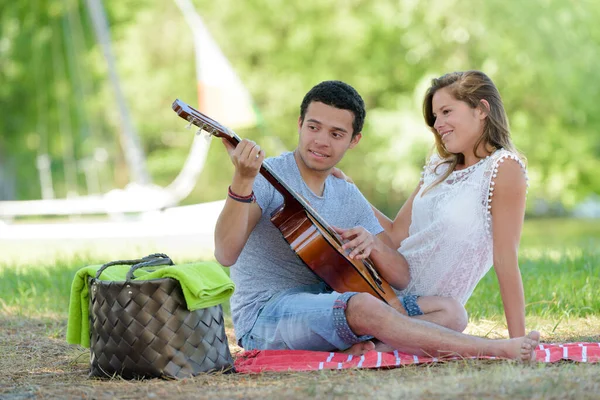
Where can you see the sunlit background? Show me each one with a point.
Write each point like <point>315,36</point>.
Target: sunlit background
<point>95,165</point>
<point>86,87</point>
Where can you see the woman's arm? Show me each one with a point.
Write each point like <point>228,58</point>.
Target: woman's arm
<point>508,211</point>
<point>397,230</point>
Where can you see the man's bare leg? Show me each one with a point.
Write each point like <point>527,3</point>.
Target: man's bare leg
<point>442,311</point>
<point>369,316</point>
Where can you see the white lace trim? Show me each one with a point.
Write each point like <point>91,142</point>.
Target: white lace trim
<point>499,160</point>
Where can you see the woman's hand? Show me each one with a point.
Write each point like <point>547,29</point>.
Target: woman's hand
<point>359,240</point>
<point>338,173</point>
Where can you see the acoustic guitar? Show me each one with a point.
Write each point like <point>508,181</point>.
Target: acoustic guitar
<point>309,236</point>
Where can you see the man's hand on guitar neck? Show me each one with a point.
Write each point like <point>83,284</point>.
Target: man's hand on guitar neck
<point>247,157</point>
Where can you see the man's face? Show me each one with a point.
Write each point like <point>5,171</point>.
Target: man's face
<point>325,135</point>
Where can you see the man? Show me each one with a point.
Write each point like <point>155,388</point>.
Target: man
<point>279,303</point>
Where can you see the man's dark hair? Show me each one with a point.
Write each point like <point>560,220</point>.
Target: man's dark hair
<point>339,95</point>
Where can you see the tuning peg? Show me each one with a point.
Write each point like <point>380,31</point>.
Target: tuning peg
<point>188,126</point>
<point>200,129</point>
<point>206,135</point>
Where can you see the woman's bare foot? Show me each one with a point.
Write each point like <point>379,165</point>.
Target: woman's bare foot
<point>360,349</point>
<point>525,352</point>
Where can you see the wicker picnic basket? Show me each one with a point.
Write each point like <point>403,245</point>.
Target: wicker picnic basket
<point>143,328</point>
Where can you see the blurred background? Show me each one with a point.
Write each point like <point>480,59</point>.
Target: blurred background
<point>86,88</point>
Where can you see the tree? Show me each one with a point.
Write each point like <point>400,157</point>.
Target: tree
<point>388,50</point>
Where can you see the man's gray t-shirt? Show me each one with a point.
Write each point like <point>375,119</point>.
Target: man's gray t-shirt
<point>267,265</point>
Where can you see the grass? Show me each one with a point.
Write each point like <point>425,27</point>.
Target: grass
<point>560,264</point>
<point>555,287</point>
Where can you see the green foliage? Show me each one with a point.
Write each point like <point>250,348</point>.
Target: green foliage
<point>542,54</point>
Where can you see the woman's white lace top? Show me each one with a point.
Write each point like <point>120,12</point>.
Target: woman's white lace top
<point>449,247</point>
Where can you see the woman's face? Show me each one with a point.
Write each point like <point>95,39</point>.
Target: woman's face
<point>458,125</point>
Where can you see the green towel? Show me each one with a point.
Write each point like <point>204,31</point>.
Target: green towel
<point>204,284</point>
<point>78,325</point>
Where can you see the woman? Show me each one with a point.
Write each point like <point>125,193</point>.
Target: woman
<point>467,211</point>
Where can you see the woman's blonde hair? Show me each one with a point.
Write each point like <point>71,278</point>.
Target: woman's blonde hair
<point>470,87</point>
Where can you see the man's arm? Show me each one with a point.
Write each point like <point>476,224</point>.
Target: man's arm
<point>235,223</point>
<point>238,219</point>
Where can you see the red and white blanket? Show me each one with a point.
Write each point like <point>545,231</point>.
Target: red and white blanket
<point>255,361</point>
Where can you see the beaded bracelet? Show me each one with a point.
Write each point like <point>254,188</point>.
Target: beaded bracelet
<point>251,198</point>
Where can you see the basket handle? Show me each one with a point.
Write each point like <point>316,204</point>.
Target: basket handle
<point>148,261</point>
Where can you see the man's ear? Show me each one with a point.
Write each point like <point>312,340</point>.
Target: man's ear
<point>484,108</point>
<point>355,140</point>
<point>299,124</point>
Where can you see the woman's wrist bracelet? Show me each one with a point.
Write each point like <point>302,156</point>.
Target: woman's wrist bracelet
<point>242,199</point>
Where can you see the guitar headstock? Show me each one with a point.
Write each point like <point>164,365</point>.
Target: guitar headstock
<point>202,121</point>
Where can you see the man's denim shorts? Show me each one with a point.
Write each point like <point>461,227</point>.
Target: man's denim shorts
<point>304,318</point>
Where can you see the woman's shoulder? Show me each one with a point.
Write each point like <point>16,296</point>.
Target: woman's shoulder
<point>508,162</point>
<point>507,169</point>
<point>501,155</point>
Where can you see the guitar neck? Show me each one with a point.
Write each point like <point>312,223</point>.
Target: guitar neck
<point>265,170</point>
<point>212,127</point>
